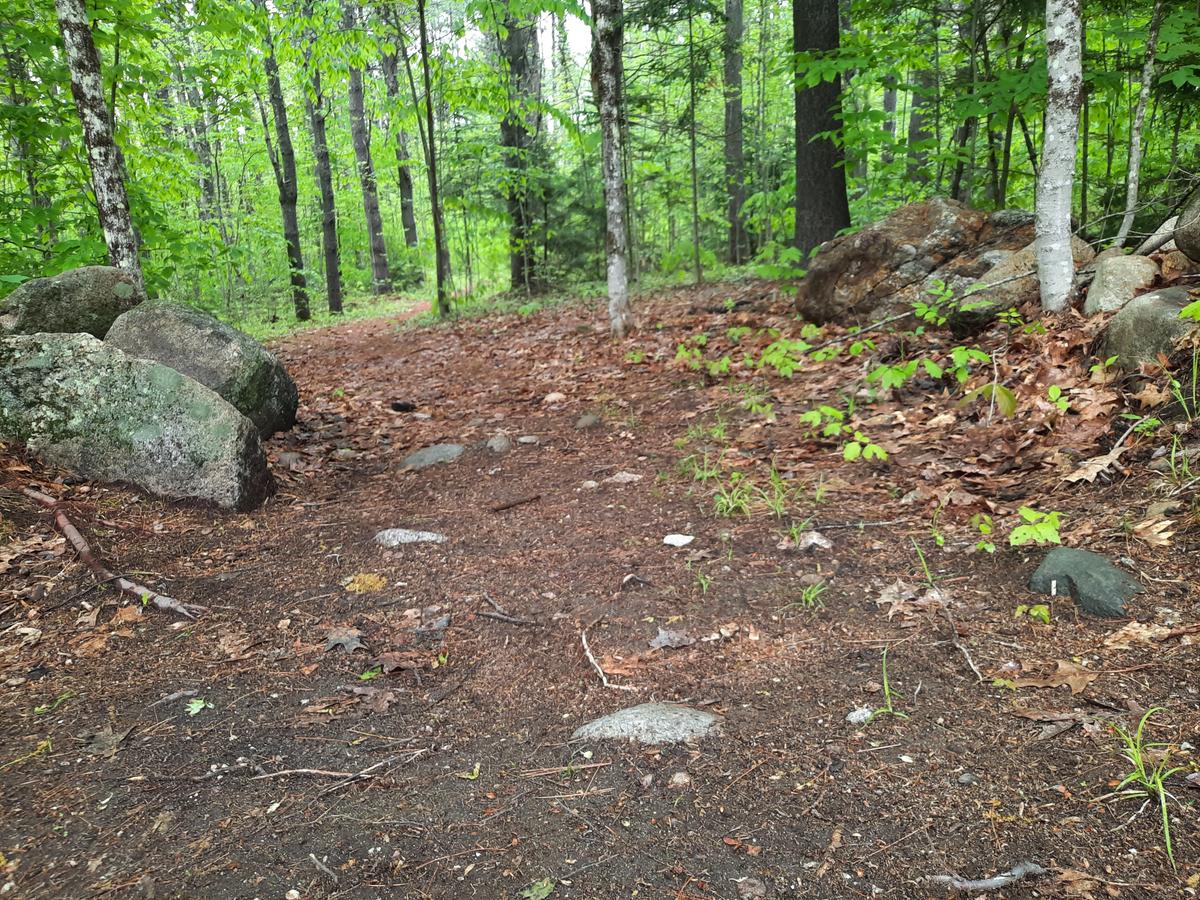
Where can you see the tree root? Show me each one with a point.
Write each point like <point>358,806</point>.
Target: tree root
<point>100,572</point>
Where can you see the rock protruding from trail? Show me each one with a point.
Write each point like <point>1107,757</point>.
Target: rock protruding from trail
<point>651,723</point>
<point>432,456</point>
<point>398,537</point>
<point>1099,587</point>
<point>86,300</point>
<point>215,354</point>
<point>1118,280</point>
<point>79,403</point>
<point>1147,326</point>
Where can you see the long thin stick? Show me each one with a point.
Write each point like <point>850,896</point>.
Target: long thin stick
<point>1003,880</point>
<point>100,572</point>
<point>599,671</point>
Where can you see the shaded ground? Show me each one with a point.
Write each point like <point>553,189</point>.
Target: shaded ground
<point>471,787</point>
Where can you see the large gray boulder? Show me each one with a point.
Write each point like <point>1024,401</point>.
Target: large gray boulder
<point>218,356</point>
<point>1147,326</point>
<point>1187,228</point>
<point>80,403</point>
<point>1118,280</point>
<point>82,300</point>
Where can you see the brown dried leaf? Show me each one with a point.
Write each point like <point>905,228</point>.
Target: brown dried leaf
<point>1094,466</point>
<point>1136,633</point>
<point>1154,531</point>
<point>1066,673</point>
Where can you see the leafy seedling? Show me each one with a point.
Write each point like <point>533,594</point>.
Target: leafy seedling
<point>1038,612</point>
<point>1038,528</point>
<point>197,705</point>
<point>889,696</point>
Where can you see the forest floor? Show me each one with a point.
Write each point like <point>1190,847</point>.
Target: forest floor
<point>143,755</point>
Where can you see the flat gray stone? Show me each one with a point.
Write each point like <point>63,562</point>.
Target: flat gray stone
<point>529,439</point>
<point>1099,587</point>
<point>500,443</point>
<point>432,456</point>
<point>396,537</point>
<point>651,723</point>
<point>587,421</point>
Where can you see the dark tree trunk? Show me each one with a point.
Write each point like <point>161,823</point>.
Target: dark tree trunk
<point>822,208</point>
<point>284,164</point>
<point>889,124</point>
<point>439,230</point>
<point>403,173</point>
<point>697,270</point>
<point>735,160</point>
<point>519,130</point>
<point>315,107</point>
<point>381,280</point>
<point>104,157</point>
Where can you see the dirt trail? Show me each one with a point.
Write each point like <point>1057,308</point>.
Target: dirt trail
<point>470,786</point>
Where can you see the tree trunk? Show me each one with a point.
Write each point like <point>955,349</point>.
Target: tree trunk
<point>918,131</point>
<point>381,280</point>
<point>822,208</point>
<point>315,107</point>
<point>735,177</point>
<point>442,252</point>
<point>404,175</point>
<point>697,269</point>
<point>1132,177</point>
<point>519,130</point>
<point>104,157</point>
<point>1056,267</point>
<point>608,38</point>
<point>284,164</point>
<point>889,124</point>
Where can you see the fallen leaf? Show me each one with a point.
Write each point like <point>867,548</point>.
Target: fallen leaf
<point>377,699</point>
<point>902,597</point>
<point>346,638</point>
<point>1066,673</point>
<point>127,614</point>
<point>1094,466</point>
<point>1136,633</point>
<point>106,741</point>
<point>233,643</point>
<point>669,638</point>
<point>399,660</point>
<point>1154,531</point>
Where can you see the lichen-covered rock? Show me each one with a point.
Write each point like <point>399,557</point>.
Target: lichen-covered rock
<point>218,356</point>
<point>82,300</point>
<point>1147,326</point>
<point>76,402</point>
<point>1118,280</point>
<point>852,276</point>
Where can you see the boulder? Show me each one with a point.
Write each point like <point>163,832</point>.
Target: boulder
<point>218,356</point>
<point>1016,285</point>
<point>84,300</point>
<point>83,404</point>
<point>1118,280</point>
<point>854,275</point>
<point>1147,326</point>
<point>1154,241</point>
<point>1187,228</point>
<point>1099,587</point>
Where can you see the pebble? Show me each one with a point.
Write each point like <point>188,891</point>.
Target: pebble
<point>529,439</point>
<point>678,540</point>
<point>293,894</point>
<point>586,421</point>
<point>968,778</point>
<point>590,485</point>
<point>500,443</point>
<point>681,780</point>
<point>623,478</point>
<point>860,716</point>
<point>554,397</point>
<point>395,537</point>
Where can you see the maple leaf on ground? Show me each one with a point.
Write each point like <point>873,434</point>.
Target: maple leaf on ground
<point>1066,673</point>
<point>346,638</point>
<point>902,597</point>
<point>1091,468</point>
<point>377,699</point>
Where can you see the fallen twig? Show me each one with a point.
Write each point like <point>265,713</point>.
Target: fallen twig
<point>599,671</point>
<point>322,867</point>
<point>101,572</point>
<point>1003,880</point>
<point>501,614</point>
<point>959,646</point>
<point>501,507</point>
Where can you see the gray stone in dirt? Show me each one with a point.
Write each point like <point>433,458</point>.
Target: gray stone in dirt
<point>398,537</point>
<point>77,402</point>
<point>529,439</point>
<point>81,300</point>
<point>968,779</point>
<point>217,355</point>
<point>586,421</point>
<point>432,456</point>
<point>1118,279</point>
<point>500,443</point>
<point>1093,582</point>
<point>1147,326</point>
<point>651,723</point>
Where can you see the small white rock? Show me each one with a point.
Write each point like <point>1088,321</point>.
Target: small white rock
<point>678,540</point>
<point>681,780</point>
<point>590,485</point>
<point>395,537</point>
<point>623,478</point>
<point>293,894</point>
<point>860,716</point>
<point>554,397</point>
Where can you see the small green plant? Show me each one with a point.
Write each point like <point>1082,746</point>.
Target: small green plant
<point>1102,371</point>
<point>1038,612</point>
<point>982,523</point>
<point>1142,425</point>
<point>861,447</point>
<point>1058,398</point>
<point>539,890</point>
<point>961,358</point>
<point>337,393</point>
<point>528,309</point>
<point>197,705</point>
<point>733,499</point>
<point>930,578</point>
<point>730,304</point>
<point>635,356</point>
<point>1038,528</point>
<point>703,582</point>
<point>699,468</point>
<point>932,312</point>
<point>51,707</point>
<point>737,332</point>
<point>820,490</point>
<point>691,351</point>
<point>370,674</point>
<point>934,531</point>
<point>809,599</point>
<point>997,396</point>
<point>777,497</point>
<point>784,356</point>
<point>825,421</point>
<point>1151,764</point>
<point>889,696</point>
<point>715,367</point>
<point>1180,462</point>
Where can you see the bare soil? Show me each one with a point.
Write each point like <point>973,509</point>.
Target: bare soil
<point>147,756</point>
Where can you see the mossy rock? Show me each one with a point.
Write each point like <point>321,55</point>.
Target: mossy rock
<point>84,300</point>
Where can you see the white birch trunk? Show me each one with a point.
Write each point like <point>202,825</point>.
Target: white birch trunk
<point>1056,266</point>
<point>104,158</point>
<point>607,40</point>
<point>1133,176</point>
